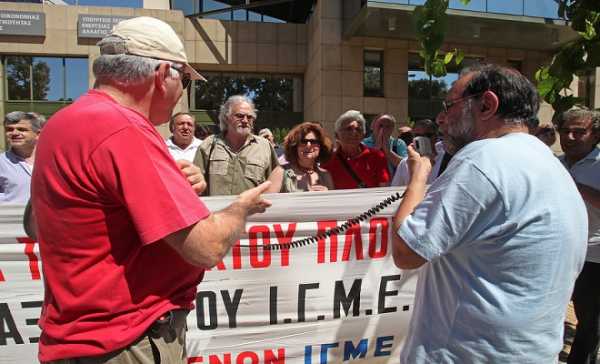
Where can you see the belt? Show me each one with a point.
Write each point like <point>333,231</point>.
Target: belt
<point>170,321</point>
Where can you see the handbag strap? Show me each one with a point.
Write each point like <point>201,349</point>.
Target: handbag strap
<point>350,171</point>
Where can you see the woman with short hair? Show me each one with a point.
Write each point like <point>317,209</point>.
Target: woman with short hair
<point>354,165</point>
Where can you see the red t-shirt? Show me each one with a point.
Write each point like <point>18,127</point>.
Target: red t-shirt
<point>105,192</point>
<point>370,166</point>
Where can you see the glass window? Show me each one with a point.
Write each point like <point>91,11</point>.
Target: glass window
<point>240,15</point>
<point>18,77</point>
<point>45,78</point>
<point>253,16</point>
<point>474,5</point>
<point>425,96</point>
<point>277,97</point>
<point>188,7</point>
<point>269,92</point>
<point>209,5</point>
<point>110,3</point>
<point>76,72</point>
<point>514,7</point>
<point>270,19</point>
<point>545,9</point>
<point>48,78</point>
<point>373,73</point>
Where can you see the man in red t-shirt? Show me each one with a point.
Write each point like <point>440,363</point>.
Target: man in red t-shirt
<point>123,236</point>
<point>354,165</point>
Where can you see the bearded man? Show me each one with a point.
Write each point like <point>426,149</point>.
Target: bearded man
<point>501,234</point>
<point>237,160</point>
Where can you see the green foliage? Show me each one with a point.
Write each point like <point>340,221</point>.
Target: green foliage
<point>430,24</point>
<point>279,134</point>
<point>575,58</point>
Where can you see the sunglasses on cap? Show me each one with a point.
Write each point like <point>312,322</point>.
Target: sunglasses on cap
<point>185,78</point>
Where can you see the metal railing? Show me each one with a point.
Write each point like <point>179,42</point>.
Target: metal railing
<point>533,8</point>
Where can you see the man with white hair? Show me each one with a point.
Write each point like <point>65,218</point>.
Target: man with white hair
<point>122,234</point>
<point>16,164</point>
<point>353,164</point>
<point>236,160</point>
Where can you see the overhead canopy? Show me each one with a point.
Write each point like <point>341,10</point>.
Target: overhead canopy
<point>290,11</point>
<point>467,27</point>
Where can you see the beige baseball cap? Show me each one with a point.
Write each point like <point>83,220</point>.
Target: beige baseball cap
<point>150,37</point>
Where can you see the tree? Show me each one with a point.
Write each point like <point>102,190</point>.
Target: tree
<point>19,78</point>
<point>574,58</point>
<point>430,22</point>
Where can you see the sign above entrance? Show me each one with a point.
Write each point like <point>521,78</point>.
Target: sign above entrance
<point>96,26</point>
<point>22,23</point>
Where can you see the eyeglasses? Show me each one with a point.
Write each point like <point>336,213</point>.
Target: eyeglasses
<point>446,105</point>
<point>185,78</point>
<point>577,132</point>
<point>310,141</point>
<point>240,116</point>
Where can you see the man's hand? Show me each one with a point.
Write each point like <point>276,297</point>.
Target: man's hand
<point>193,175</point>
<point>418,166</point>
<point>251,200</point>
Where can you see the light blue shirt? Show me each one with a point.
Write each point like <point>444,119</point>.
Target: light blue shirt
<point>397,146</point>
<point>15,179</point>
<point>587,172</point>
<point>504,231</point>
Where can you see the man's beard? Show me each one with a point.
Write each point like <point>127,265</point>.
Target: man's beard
<point>460,133</point>
<point>243,130</point>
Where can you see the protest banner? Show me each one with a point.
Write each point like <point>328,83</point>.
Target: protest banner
<point>338,299</point>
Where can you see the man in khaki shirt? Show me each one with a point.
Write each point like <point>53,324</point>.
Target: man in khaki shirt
<point>236,160</point>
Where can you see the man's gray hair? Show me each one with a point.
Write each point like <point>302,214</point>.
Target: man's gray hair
<point>123,68</point>
<point>227,107</point>
<point>351,115</point>
<point>175,116</point>
<point>265,131</point>
<point>37,121</point>
<point>578,113</point>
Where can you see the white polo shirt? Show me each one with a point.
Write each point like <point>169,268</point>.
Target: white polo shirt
<point>587,172</point>
<point>188,153</point>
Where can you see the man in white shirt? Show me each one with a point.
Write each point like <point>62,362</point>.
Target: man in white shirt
<point>16,164</point>
<point>422,128</point>
<point>579,131</point>
<point>183,144</point>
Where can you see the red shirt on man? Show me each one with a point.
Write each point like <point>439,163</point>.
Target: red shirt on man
<point>370,166</point>
<point>105,194</point>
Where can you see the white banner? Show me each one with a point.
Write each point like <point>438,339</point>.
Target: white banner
<point>338,299</point>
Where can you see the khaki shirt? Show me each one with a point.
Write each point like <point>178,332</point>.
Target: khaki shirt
<point>232,173</point>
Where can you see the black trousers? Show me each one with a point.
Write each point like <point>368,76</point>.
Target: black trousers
<point>586,301</point>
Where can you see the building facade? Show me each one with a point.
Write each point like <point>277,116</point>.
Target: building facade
<point>299,60</point>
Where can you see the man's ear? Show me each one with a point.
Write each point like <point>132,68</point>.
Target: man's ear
<point>160,77</point>
<point>488,104</point>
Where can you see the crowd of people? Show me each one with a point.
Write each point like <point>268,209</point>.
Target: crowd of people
<point>502,232</point>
